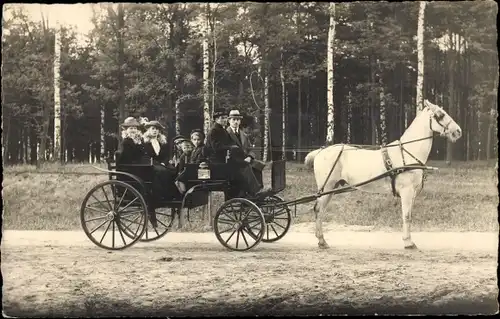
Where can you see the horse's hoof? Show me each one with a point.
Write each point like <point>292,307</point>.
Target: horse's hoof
<point>323,245</point>
<point>411,247</point>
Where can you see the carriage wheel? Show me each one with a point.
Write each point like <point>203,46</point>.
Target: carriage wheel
<point>113,215</point>
<point>164,220</point>
<point>278,218</point>
<point>239,224</point>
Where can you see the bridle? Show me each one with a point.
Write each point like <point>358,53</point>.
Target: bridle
<point>438,119</point>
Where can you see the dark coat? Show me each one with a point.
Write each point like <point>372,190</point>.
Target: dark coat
<point>131,152</point>
<point>198,155</point>
<point>243,143</point>
<point>162,157</point>
<point>218,143</point>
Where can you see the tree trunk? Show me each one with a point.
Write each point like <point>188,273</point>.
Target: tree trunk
<point>177,117</point>
<point>267,112</point>
<point>214,64</point>
<point>373,120</point>
<point>57,96</point>
<point>382,108</point>
<point>349,116</point>
<point>6,135</point>
<point>121,62</point>
<point>43,131</point>
<point>451,92</point>
<point>299,121</point>
<point>283,109</point>
<point>420,50</point>
<point>103,135</point>
<point>330,77</point>
<point>207,115</point>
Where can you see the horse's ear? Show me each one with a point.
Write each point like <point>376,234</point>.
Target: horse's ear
<point>429,105</point>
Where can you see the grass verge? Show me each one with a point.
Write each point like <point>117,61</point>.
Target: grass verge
<point>458,197</point>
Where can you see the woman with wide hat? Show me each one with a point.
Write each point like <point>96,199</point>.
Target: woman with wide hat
<point>131,148</point>
<point>157,149</point>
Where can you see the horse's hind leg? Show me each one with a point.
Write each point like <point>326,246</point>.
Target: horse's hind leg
<point>319,210</point>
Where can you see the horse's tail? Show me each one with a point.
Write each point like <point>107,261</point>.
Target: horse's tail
<point>309,160</point>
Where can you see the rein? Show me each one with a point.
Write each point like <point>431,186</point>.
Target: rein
<point>387,161</point>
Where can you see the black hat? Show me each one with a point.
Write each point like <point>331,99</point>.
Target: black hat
<point>219,112</point>
<point>198,131</point>
<point>179,139</point>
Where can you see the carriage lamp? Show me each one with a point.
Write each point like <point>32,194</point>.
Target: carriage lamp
<point>203,171</point>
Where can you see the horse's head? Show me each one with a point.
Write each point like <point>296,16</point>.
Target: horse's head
<point>442,123</point>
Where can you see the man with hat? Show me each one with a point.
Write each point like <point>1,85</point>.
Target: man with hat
<point>218,141</point>
<point>243,156</point>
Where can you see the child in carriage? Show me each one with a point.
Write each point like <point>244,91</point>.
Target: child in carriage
<point>198,154</point>
<point>185,148</point>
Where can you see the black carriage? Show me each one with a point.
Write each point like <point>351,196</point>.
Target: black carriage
<point>114,214</point>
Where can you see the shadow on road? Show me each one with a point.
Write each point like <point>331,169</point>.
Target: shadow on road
<point>277,306</point>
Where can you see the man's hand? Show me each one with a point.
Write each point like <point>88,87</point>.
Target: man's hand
<point>248,159</point>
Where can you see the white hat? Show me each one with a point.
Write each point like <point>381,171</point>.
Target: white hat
<point>235,114</point>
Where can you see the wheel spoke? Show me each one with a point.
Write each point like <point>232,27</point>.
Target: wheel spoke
<point>166,226</point>
<point>93,230</point>
<point>97,210</point>
<point>282,218</point>
<point>131,212</point>
<point>121,233</point>
<point>256,221</point>
<point>131,221</point>
<point>247,213</point>
<point>100,203</point>
<point>121,199</point>
<point>107,199</point>
<point>273,230</point>
<point>225,221</point>
<point>226,230</point>
<point>244,238</point>
<point>126,226</point>
<point>237,237</point>
<point>105,232</point>
<point>113,237</point>
<point>279,225</point>
<point>250,233</point>
<point>126,206</point>
<point>97,218</point>
<point>137,230</point>
<point>231,236</point>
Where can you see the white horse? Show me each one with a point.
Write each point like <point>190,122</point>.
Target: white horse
<point>356,165</point>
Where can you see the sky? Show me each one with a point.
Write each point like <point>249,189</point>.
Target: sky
<point>78,15</point>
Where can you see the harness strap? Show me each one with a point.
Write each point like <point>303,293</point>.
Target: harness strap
<point>331,170</point>
<point>389,167</point>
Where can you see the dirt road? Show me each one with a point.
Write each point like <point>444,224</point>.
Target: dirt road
<point>64,274</point>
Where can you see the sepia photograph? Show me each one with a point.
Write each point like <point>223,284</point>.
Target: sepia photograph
<point>231,159</point>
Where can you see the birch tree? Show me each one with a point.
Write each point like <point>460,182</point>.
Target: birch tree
<point>330,75</point>
<point>206,72</point>
<point>57,95</point>
<point>267,112</point>
<point>283,109</point>
<point>420,49</point>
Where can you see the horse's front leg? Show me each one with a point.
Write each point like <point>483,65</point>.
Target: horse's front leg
<point>407,200</point>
